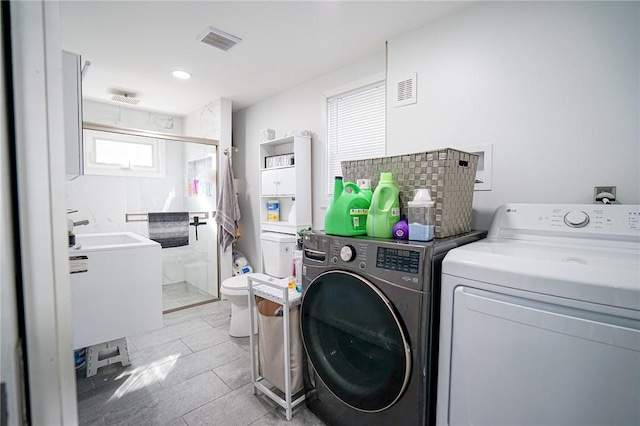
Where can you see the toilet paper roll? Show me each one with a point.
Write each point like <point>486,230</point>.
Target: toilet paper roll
<point>241,262</point>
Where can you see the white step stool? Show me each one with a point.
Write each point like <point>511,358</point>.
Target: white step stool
<point>107,353</point>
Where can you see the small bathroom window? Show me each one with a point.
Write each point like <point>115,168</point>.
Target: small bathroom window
<point>123,155</point>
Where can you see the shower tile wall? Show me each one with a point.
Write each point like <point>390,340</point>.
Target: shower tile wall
<point>204,122</point>
<point>105,200</point>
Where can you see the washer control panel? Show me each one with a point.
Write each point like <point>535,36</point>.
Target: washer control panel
<point>352,253</point>
<point>347,253</point>
<point>613,221</point>
<point>576,219</point>
<point>398,259</point>
<point>386,258</point>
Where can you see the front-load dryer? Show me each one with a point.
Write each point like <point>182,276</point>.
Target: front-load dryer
<point>369,318</point>
<point>540,321</point>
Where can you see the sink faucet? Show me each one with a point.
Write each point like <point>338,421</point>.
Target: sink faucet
<point>71,223</point>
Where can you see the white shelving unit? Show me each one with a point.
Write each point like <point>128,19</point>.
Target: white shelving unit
<point>276,290</point>
<point>284,183</point>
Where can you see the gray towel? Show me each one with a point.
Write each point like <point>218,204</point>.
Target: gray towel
<point>170,229</point>
<point>227,210</point>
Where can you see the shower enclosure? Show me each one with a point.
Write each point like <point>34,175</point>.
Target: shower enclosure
<point>130,173</point>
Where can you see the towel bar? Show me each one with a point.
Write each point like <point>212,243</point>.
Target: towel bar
<point>142,217</point>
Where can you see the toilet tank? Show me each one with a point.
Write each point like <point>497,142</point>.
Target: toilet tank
<point>277,253</point>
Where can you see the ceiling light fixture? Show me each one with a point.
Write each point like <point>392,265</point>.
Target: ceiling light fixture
<point>183,75</point>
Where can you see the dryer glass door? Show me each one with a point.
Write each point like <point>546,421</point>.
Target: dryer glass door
<point>355,341</point>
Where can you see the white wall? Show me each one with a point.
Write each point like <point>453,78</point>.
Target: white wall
<point>554,86</point>
<point>205,122</point>
<point>301,108</point>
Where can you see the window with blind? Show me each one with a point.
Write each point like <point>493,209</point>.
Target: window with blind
<point>356,127</point>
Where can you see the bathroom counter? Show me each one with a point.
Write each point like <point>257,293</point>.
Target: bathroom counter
<point>116,287</point>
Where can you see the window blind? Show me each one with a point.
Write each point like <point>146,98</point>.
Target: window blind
<point>356,127</point>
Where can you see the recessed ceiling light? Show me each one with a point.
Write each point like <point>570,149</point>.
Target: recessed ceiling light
<point>181,74</point>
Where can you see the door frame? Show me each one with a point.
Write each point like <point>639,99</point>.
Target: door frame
<point>39,142</point>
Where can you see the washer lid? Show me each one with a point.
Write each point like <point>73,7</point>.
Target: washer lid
<point>609,276</point>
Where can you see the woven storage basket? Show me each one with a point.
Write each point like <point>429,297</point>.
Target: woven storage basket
<point>448,173</point>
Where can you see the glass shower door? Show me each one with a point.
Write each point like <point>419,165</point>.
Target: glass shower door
<point>190,273</point>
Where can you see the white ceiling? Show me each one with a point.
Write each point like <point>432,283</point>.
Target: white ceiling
<point>134,45</point>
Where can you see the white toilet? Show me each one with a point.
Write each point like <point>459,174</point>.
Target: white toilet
<point>276,261</point>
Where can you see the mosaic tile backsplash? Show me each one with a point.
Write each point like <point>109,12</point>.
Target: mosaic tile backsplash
<point>448,173</point>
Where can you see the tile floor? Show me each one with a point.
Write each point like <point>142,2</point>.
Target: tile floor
<point>178,295</point>
<point>190,372</point>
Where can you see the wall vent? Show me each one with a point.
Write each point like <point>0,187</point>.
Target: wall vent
<point>216,38</point>
<point>405,91</point>
<point>125,97</point>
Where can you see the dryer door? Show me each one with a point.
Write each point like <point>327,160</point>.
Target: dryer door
<point>355,341</point>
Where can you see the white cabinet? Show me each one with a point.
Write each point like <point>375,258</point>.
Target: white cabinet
<point>289,183</point>
<point>72,104</point>
<point>279,181</point>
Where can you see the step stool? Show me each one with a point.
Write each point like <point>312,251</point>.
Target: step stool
<point>107,353</point>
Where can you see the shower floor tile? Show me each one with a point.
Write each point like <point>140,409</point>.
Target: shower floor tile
<point>182,294</point>
<point>177,377</point>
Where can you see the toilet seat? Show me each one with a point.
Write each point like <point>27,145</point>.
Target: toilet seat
<point>235,286</point>
<point>236,290</point>
<point>238,282</point>
<point>239,285</point>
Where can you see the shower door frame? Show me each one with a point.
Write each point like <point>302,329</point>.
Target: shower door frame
<point>87,125</point>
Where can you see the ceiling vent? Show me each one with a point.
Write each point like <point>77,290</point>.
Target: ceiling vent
<point>405,91</point>
<point>125,97</point>
<point>216,38</point>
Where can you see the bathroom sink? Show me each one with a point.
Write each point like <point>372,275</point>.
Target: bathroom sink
<point>116,287</point>
<point>109,241</point>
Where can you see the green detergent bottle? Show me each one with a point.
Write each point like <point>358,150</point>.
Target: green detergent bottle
<point>384,212</point>
<point>347,210</point>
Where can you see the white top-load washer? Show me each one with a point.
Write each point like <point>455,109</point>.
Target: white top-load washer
<point>540,321</point>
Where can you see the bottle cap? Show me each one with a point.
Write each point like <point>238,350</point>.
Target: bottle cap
<point>386,177</point>
<point>422,197</point>
<point>422,194</point>
<point>364,183</point>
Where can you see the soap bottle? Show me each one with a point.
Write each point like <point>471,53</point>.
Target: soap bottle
<point>292,213</point>
<point>384,212</point>
<point>347,212</point>
<point>72,236</point>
